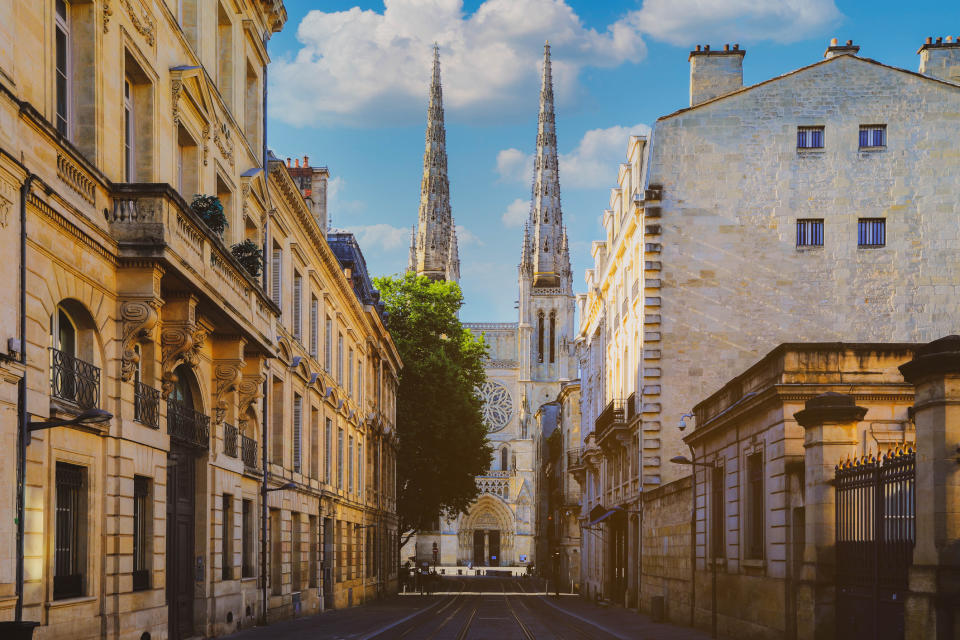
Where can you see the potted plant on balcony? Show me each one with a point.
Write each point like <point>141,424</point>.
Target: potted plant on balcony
<point>250,255</point>
<point>210,210</point>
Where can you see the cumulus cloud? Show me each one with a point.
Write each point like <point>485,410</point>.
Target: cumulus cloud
<point>465,237</point>
<point>384,237</point>
<point>516,213</point>
<point>359,66</point>
<point>592,163</point>
<point>685,22</point>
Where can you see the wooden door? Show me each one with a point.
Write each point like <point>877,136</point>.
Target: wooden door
<point>478,551</point>
<point>180,543</point>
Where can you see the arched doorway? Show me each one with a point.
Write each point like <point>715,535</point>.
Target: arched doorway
<point>487,533</point>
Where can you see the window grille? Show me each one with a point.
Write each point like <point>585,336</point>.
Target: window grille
<point>340,359</point>
<point>142,520</point>
<point>71,519</point>
<point>276,269</point>
<point>716,512</point>
<point>314,326</point>
<point>810,137</point>
<point>297,306</point>
<point>871,232</point>
<point>810,233</point>
<point>297,431</point>
<point>328,345</point>
<point>327,450</point>
<point>350,464</point>
<point>873,135</point>
<point>339,458</point>
<point>755,506</point>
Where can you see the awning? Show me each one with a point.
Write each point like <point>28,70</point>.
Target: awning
<point>601,517</point>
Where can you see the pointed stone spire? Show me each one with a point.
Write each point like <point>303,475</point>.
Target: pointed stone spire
<point>412,261</point>
<point>435,248</point>
<point>546,217</point>
<point>453,257</point>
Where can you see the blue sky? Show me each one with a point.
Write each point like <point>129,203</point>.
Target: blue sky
<point>349,80</point>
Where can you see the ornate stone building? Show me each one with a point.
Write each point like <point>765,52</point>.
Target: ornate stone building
<point>529,361</point>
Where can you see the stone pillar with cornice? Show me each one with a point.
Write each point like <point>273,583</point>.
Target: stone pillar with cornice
<point>830,424</point>
<point>933,605</point>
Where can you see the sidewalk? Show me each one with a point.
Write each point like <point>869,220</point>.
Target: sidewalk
<point>620,622</point>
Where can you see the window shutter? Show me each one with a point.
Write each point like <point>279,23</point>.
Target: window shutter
<point>297,306</point>
<point>864,137</point>
<point>297,430</point>
<point>314,329</point>
<point>276,268</point>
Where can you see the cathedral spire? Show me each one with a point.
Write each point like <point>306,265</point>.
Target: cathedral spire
<point>546,219</point>
<point>434,252</point>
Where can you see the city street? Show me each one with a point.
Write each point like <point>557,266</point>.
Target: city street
<point>476,608</point>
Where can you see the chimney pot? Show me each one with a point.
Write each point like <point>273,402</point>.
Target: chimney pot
<point>834,42</point>
<point>736,47</point>
<point>698,47</point>
<point>726,47</point>
<point>849,43</point>
<point>296,163</point>
<point>706,47</point>
<point>288,162</point>
<point>949,38</point>
<point>306,161</point>
<point>939,40</point>
<point>929,40</point>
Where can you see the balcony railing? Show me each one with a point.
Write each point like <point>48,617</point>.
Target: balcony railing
<point>613,413</point>
<point>248,449</point>
<point>230,434</point>
<point>573,458</point>
<point>73,380</point>
<point>632,406</point>
<point>146,405</point>
<point>188,426</point>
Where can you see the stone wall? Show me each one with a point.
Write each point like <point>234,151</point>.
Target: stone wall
<point>665,549</point>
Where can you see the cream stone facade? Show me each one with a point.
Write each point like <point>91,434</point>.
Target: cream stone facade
<point>813,206</point>
<point>114,115</point>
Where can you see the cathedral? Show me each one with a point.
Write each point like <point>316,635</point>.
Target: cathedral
<point>529,358</point>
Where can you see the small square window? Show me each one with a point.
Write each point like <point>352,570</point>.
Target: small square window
<point>810,233</point>
<point>871,232</point>
<point>809,137</point>
<point>873,136</point>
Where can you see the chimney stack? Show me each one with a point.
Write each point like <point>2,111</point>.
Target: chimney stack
<point>306,161</point>
<point>715,73</point>
<point>288,163</point>
<point>835,49</point>
<point>941,59</point>
<point>296,163</point>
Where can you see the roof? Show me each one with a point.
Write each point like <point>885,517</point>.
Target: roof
<point>347,250</point>
<point>803,69</point>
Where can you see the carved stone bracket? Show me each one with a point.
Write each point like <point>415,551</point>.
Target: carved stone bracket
<point>181,339</point>
<point>139,319</point>
<point>250,390</point>
<point>227,377</point>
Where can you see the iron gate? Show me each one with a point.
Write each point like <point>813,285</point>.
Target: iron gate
<point>875,535</point>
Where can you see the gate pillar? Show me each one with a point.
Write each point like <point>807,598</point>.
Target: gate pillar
<point>829,422</point>
<point>933,605</point>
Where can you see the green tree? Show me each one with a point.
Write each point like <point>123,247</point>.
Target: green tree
<point>442,439</point>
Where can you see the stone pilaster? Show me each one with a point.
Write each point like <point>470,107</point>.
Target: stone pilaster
<point>830,422</point>
<point>933,605</point>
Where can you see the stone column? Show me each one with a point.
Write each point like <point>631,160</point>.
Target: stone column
<point>830,422</point>
<point>934,598</point>
<point>486,547</point>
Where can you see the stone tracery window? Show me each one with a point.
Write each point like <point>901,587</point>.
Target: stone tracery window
<point>497,405</point>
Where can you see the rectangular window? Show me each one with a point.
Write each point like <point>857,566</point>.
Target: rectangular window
<point>327,450</point>
<point>717,512</point>
<point>339,458</point>
<point>276,269</point>
<point>755,507</point>
<point>350,371</point>
<point>314,547</point>
<point>360,467</point>
<point>297,431</point>
<point>810,137</point>
<point>297,307</point>
<point>276,431</point>
<point>810,233</point>
<point>328,345</point>
<point>70,557</point>
<point>314,327</point>
<point>340,359</point>
<point>129,131</point>
<point>871,232</point>
<point>314,443</point>
<point>142,524</point>
<point>873,135</point>
<point>63,75</point>
<point>249,535</point>
<point>295,550</point>
<point>276,553</point>
<point>350,464</point>
<point>226,537</point>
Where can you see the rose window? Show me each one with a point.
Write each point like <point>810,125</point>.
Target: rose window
<point>497,405</point>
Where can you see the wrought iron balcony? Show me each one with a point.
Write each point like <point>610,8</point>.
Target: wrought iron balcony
<point>632,407</point>
<point>613,414</point>
<point>248,449</point>
<point>573,459</point>
<point>188,426</point>
<point>230,434</point>
<point>73,380</point>
<point>146,405</point>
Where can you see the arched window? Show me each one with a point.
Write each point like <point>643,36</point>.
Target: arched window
<point>504,458</point>
<point>540,337</point>
<point>73,375</point>
<point>182,393</point>
<point>553,335</point>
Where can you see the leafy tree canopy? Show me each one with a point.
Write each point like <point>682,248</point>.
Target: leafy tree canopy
<point>442,437</point>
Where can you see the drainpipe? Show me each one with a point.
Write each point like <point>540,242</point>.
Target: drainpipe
<point>22,395</point>
<point>263,507</point>
<point>693,541</point>
<point>266,170</point>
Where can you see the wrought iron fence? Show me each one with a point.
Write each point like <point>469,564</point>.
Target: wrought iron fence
<point>876,530</point>
<point>186,425</point>
<point>230,434</point>
<point>612,413</point>
<point>146,405</point>
<point>73,380</point>
<point>248,449</point>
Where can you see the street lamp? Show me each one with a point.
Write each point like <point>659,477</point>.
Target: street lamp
<point>713,561</point>
<point>286,485</point>
<point>21,628</point>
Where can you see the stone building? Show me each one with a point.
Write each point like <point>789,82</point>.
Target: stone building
<point>610,466</point>
<point>136,311</point>
<point>807,207</point>
<point>529,361</point>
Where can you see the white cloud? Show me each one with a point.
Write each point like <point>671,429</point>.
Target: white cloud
<point>465,237</point>
<point>686,22</point>
<point>359,66</point>
<point>384,237</point>
<point>592,163</point>
<point>517,213</point>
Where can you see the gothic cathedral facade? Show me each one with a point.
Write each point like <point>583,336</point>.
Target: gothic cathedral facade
<point>529,359</point>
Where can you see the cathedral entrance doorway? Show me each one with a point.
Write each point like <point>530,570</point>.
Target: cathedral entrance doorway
<point>486,534</point>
